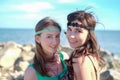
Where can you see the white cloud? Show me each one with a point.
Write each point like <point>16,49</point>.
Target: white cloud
<point>33,7</point>
<point>67,1</point>
<point>93,5</point>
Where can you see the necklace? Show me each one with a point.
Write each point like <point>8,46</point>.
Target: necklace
<point>53,66</point>
<point>55,71</point>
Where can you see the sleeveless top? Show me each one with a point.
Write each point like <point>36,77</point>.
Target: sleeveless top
<point>61,76</point>
<point>94,68</point>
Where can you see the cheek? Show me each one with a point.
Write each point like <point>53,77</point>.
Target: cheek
<point>44,41</point>
<point>58,41</point>
<point>70,37</point>
<point>82,38</point>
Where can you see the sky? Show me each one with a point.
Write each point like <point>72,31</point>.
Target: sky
<point>26,13</point>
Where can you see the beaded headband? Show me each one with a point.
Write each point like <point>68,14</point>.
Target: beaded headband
<point>78,25</point>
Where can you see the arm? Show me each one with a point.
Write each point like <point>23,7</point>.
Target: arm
<point>82,68</point>
<point>30,74</point>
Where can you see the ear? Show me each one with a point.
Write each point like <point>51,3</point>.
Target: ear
<point>37,39</point>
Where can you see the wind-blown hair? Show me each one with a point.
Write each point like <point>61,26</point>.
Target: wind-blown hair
<point>90,47</point>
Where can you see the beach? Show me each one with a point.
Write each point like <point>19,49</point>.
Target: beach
<point>15,58</point>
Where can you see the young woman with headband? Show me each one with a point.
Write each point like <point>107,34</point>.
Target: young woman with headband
<point>48,62</point>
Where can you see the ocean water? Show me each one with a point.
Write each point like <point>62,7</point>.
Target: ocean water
<point>109,40</point>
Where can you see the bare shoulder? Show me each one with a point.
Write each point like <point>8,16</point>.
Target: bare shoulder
<point>30,74</point>
<point>83,68</point>
<point>84,61</point>
<point>94,62</point>
<point>65,55</point>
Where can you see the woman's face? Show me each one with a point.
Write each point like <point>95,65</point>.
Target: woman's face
<point>76,36</point>
<point>49,41</point>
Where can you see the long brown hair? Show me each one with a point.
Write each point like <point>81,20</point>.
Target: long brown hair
<point>90,46</point>
<point>40,57</point>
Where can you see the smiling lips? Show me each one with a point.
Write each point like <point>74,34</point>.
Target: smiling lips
<point>72,42</point>
<point>53,47</point>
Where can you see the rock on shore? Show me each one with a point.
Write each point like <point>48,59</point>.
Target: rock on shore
<point>15,58</point>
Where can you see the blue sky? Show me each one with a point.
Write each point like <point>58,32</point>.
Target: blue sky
<point>26,13</point>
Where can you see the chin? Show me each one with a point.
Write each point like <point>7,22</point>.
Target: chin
<point>54,51</point>
<point>74,46</point>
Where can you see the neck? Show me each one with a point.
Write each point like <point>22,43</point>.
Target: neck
<point>52,58</point>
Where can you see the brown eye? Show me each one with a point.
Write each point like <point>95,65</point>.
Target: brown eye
<point>57,36</point>
<point>48,36</point>
<point>78,31</point>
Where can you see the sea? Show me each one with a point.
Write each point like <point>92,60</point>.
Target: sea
<point>108,40</point>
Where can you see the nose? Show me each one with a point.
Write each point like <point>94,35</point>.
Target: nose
<point>72,36</point>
